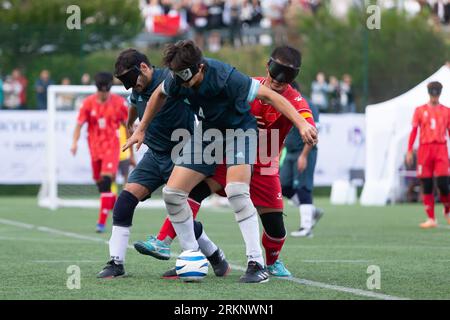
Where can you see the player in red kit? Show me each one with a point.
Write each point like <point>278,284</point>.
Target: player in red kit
<point>433,119</point>
<point>265,186</point>
<point>103,112</point>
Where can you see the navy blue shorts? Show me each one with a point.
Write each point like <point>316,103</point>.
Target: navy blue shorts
<point>239,147</point>
<point>153,170</point>
<point>291,177</point>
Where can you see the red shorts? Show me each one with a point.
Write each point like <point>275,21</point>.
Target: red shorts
<point>107,164</point>
<point>432,160</point>
<point>265,190</point>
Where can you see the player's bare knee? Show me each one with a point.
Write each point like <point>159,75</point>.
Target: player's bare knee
<point>176,204</point>
<point>238,194</point>
<point>139,191</point>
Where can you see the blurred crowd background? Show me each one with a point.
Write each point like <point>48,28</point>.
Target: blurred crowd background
<point>346,65</point>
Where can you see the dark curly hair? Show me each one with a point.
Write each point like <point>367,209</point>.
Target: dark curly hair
<point>181,55</point>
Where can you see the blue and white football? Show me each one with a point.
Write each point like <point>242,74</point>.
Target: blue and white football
<point>191,266</point>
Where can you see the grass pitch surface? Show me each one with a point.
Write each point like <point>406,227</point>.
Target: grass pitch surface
<point>37,246</point>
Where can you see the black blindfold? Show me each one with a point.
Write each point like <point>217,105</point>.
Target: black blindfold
<point>130,77</point>
<point>281,72</point>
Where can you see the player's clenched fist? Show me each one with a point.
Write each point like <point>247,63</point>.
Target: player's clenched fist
<point>137,138</point>
<point>309,134</point>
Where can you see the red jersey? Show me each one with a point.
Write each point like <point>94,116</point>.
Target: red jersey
<point>103,121</point>
<point>433,121</point>
<point>275,120</point>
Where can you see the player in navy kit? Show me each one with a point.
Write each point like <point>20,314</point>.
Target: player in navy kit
<point>220,96</point>
<point>135,71</point>
<point>297,179</point>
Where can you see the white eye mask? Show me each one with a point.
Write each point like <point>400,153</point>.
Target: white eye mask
<point>185,74</point>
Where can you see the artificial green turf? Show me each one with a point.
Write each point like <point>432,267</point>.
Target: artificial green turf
<point>414,263</point>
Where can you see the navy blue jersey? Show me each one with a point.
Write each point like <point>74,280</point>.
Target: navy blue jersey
<point>173,115</point>
<point>294,142</point>
<point>222,99</point>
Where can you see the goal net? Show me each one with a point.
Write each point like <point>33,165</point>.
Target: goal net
<point>68,179</point>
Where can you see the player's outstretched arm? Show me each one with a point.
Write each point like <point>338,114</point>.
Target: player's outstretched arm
<point>76,136</point>
<point>307,131</point>
<point>154,104</point>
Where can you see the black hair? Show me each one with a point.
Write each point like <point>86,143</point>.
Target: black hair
<point>288,56</point>
<point>435,88</point>
<point>103,81</point>
<point>181,55</point>
<point>129,58</point>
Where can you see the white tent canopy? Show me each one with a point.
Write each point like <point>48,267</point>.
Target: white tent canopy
<point>387,129</point>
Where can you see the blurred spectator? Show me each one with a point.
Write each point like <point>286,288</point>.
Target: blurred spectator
<point>319,92</point>
<point>198,17</point>
<point>346,93</point>
<point>65,101</point>
<point>256,12</point>
<point>441,9</point>
<point>314,5</point>
<point>334,94</point>
<point>17,76</point>
<point>86,79</point>
<point>275,11</point>
<point>166,6</point>
<point>151,9</point>
<point>41,89</point>
<point>232,18</point>
<point>215,23</point>
<point>412,183</point>
<point>292,21</point>
<point>251,15</point>
<point>11,91</point>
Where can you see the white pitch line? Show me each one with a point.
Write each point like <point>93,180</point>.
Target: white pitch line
<point>358,292</point>
<point>67,261</point>
<point>322,285</point>
<point>336,261</point>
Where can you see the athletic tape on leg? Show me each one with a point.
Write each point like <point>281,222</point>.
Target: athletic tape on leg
<point>239,197</point>
<point>176,204</point>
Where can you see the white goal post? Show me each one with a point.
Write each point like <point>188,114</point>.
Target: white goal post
<point>68,180</point>
<point>62,169</point>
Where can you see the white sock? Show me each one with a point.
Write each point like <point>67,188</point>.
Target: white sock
<point>118,243</point>
<point>206,245</point>
<point>185,234</point>
<point>295,200</point>
<point>306,216</point>
<point>250,232</point>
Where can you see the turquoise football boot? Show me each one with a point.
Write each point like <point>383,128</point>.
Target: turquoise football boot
<point>153,247</point>
<point>278,269</point>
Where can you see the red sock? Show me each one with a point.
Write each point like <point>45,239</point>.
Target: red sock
<point>107,200</point>
<point>428,202</point>
<point>167,229</point>
<point>272,247</point>
<point>446,202</point>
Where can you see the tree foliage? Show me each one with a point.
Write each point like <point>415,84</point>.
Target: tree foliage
<point>29,28</point>
<point>400,54</point>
